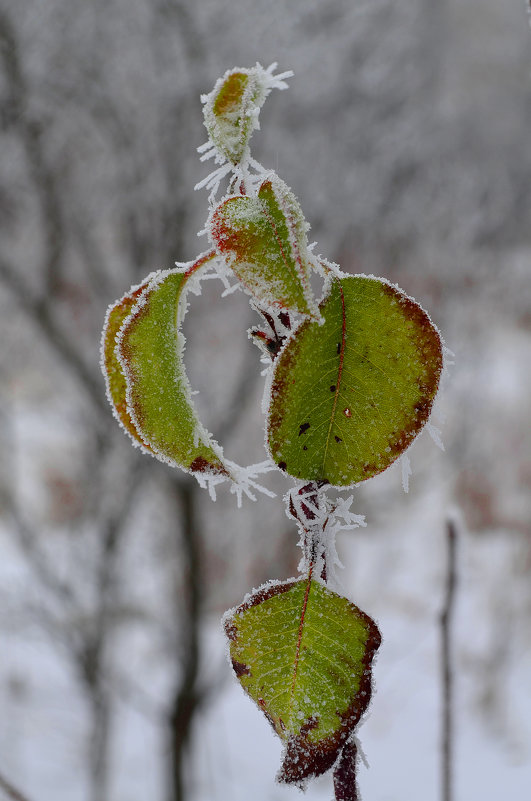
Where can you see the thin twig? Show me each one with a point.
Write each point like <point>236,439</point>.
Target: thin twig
<point>446,667</point>
<point>12,792</point>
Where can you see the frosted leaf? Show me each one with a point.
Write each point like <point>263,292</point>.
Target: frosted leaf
<point>303,654</point>
<point>149,348</point>
<point>263,239</point>
<point>231,110</point>
<point>349,396</point>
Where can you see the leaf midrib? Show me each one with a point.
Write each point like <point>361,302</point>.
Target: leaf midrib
<point>307,591</point>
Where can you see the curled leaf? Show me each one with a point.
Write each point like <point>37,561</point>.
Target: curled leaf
<point>145,372</point>
<point>349,396</point>
<point>304,654</point>
<point>231,110</point>
<point>263,240</point>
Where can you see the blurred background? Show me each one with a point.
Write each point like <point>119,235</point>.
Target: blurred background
<point>405,136</point>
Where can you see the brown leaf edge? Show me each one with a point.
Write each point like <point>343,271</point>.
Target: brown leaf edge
<point>110,364</point>
<point>199,465</point>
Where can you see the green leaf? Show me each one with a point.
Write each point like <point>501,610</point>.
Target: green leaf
<point>303,654</point>
<point>231,109</point>
<point>112,369</point>
<point>150,353</point>
<point>349,396</point>
<point>263,240</point>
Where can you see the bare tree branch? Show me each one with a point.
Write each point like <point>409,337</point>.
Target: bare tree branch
<point>187,695</point>
<point>11,791</point>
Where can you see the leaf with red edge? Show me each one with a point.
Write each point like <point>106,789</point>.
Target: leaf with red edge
<point>263,240</point>
<point>145,372</point>
<point>349,396</point>
<point>303,654</point>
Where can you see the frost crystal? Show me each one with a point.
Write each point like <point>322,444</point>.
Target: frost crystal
<point>406,471</point>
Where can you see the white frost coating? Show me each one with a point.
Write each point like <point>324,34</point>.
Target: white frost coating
<point>243,480</point>
<point>325,266</point>
<point>406,471</point>
<point>261,82</point>
<point>297,227</point>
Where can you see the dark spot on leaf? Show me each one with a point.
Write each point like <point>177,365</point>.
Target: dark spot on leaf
<point>333,388</point>
<point>338,349</point>
<point>304,447</point>
<point>304,427</point>
<point>282,465</point>
<point>347,412</point>
<point>240,669</point>
<point>337,439</point>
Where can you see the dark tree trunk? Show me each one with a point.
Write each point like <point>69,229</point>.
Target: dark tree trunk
<point>187,695</point>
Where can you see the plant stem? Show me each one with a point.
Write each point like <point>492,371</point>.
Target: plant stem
<point>446,659</point>
<point>345,788</point>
